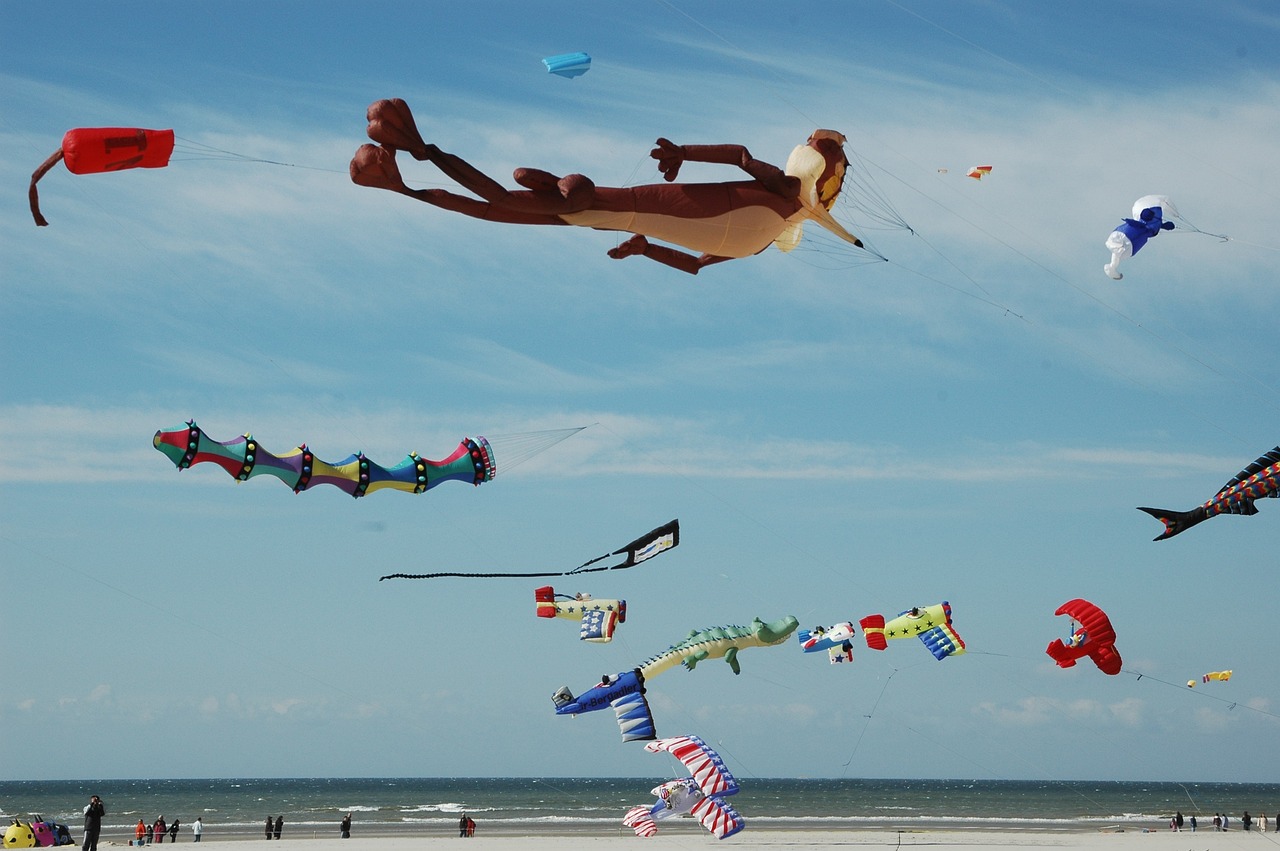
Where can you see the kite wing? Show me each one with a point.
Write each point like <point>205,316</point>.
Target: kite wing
<point>979,171</point>
<point>641,821</point>
<point>704,764</point>
<point>718,817</point>
<point>1216,676</point>
<point>91,150</point>
<point>1095,638</point>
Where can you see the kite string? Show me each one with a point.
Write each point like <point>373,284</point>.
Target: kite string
<point>858,742</point>
<point>192,150</point>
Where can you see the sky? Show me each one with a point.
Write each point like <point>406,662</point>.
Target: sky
<point>972,418</point>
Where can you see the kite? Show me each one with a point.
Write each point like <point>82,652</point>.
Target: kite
<point>625,692</point>
<point>700,795</point>
<point>979,171</point>
<point>931,624</point>
<point>599,617</point>
<point>472,461</point>
<point>1212,676</point>
<point>1148,220</point>
<point>1094,638</point>
<point>837,641</point>
<point>722,221</point>
<point>91,150</point>
<point>665,537</point>
<point>1260,479</point>
<point>720,642</point>
<point>568,64</point>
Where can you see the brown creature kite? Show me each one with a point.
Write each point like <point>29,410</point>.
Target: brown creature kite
<point>723,221</point>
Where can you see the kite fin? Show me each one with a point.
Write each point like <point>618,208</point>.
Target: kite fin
<point>1174,521</point>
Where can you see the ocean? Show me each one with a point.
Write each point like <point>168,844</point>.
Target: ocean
<point>236,809</point>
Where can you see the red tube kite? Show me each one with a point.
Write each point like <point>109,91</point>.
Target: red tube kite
<point>90,150</point>
<point>1094,638</point>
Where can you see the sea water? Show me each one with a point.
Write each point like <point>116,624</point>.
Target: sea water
<point>231,808</point>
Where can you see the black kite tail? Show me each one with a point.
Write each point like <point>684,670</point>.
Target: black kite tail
<point>1175,521</point>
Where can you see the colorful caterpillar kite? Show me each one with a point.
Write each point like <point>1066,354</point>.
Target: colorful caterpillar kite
<point>243,458</point>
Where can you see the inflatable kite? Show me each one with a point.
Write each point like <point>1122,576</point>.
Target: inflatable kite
<point>599,618</point>
<point>243,458</point>
<point>1094,638</point>
<point>1260,479</point>
<point>931,624</point>
<point>722,221</point>
<point>665,537</point>
<point>568,64</point>
<point>1211,677</point>
<point>625,692</point>
<point>701,795</point>
<point>837,641</point>
<point>1149,213</point>
<point>979,171</point>
<point>91,150</point>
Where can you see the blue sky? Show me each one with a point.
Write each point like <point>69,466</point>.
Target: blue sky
<point>973,420</point>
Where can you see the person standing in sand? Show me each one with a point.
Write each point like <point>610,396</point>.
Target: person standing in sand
<point>197,828</point>
<point>93,813</point>
<point>268,827</point>
<point>462,826</point>
<point>346,827</point>
<point>279,826</point>
<point>139,833</point>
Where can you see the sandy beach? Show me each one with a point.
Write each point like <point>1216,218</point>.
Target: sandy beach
<point>683,838</point>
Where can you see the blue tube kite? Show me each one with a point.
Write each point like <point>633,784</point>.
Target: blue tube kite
<point>568,64</point>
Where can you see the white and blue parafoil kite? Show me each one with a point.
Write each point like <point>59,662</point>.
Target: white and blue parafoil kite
<point>701,795</point>
<point>1150,213</point>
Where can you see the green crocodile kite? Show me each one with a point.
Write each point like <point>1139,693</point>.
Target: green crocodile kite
<point>717,641</point>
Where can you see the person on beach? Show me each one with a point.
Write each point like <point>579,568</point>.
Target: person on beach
<point>1225,820</point>
<point>268,827</point>
<point>471,827</point>
<point>346,827</point>
<point>93,813</point>
<point>197,828</point>
<point>1193,824</point>
<point>1246,822</point>
<point>279,826</point>
<point>173,831</point>
<point>462,826</point>
<point>139,833</point>
<point>1177,821</point>
<point>161,829</point>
